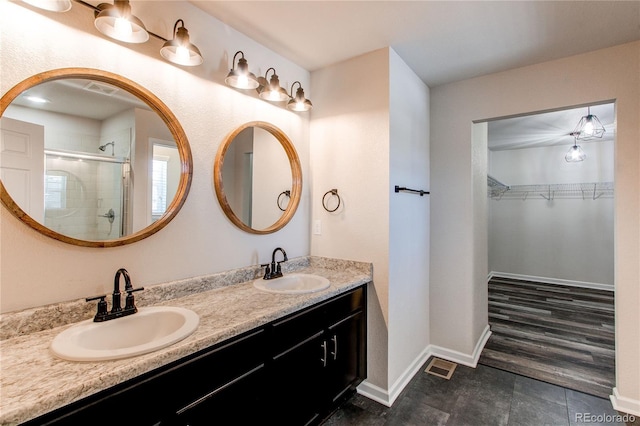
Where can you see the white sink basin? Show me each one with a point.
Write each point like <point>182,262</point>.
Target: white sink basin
<point>146,331</point>
<point>293,284</point>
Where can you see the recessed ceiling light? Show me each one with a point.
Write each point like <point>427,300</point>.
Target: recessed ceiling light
<point>37,99</point>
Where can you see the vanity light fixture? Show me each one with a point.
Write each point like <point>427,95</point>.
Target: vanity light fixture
<point>180,50</point>
<point>272,91</point>
<point>589,127</point>
<point>575,154</point>
<point>241,77</point>
<point>299,102</point>
<point>116,21</point>
<point>51,5</point>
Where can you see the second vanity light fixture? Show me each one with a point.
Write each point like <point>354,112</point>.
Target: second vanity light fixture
<point>241,78</point>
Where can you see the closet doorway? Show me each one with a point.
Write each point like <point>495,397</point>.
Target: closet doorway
<point>551,248</point>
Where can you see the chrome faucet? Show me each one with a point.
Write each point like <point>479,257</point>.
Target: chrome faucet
<point>116,301</point>
<point>274,270</point>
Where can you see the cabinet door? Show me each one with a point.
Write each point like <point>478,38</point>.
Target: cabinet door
<point>346,355</point>
<point>296,382</point>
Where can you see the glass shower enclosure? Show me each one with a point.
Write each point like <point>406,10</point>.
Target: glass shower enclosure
<point>86,196</point>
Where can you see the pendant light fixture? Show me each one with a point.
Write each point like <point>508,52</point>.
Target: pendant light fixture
<point>272,91</point>
<point>51,5</point>
<point>589,127</point>
<point>298,103</point>
<point>575,154</point>
<point>180,50</point>
<point>241,77</point>
<point>116,21</point>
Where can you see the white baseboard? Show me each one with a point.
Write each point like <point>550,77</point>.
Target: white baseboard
<point>626,405</point>
<point>558,281</point>
<point>462,358</point>
<point>387,397</point>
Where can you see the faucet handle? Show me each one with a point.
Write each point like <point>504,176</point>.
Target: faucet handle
<point>102,307</point>
<point>267,270</point>
<point>130,301</point>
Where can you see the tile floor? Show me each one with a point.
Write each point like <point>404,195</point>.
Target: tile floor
<point>479,397</point>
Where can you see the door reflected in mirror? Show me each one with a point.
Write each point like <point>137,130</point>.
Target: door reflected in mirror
<point>91,160</point>
<point>258,178</point>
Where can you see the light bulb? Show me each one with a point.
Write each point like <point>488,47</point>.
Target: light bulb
<point>123,27</point>
<point>271,95</point>
<point>243,81</point>
<point>182,54</point>
<point>588,127</point>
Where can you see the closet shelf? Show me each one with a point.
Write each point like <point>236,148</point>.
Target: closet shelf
<point>586,191</point>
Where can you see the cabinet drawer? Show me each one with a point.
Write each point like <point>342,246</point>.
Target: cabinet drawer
<point>297,328</point>
<point>159,394</point>
<point>191,380</point>
<point>345,305</point>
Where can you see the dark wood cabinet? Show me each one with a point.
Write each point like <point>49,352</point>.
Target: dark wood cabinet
<point>319,357</point>
<point>293,371</point>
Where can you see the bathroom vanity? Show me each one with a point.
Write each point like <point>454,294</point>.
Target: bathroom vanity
<point>256,358</point>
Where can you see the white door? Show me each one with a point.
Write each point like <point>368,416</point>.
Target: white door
<point>22,164</point>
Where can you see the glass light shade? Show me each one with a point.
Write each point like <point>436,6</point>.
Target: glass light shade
<point>575,155</point>
<point>116,21</point>
<point>241,78</point>
<point>273,91</point>
<point>180,50</point>
<point>51,5</point>
<point>299,103</point>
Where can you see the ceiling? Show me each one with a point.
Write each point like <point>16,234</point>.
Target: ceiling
<point>547,128</point>
<point>446,41</point>
<point>442,41</point>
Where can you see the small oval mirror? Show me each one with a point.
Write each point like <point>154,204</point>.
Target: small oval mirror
<point>258,178</point>
<point>91,158</point>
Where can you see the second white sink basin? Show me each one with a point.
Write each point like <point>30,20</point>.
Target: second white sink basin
<point>293,284</point>
<point>148,330</point>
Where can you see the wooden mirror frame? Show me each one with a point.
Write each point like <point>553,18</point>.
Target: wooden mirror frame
<point>296,177</point>
<point>186,160</point>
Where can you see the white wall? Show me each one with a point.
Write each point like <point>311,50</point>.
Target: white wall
<point>408,220</point>
<point>456,318</point>
<point>37,270</point>
<point>563,239</point>
<point>271,176</point>
<point>363,142</point>
<point>350,152</point>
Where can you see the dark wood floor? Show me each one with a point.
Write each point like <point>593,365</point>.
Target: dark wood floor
<point>558,334</point>
<point>482,396</point>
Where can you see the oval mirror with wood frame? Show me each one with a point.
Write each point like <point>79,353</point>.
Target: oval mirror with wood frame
<point>91,158</point>
<point>258,178</point>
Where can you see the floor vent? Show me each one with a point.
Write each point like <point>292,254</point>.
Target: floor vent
<point>441,368</point>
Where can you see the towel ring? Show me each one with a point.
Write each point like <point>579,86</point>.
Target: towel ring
<point>286,193</point>
<point>324,201</point>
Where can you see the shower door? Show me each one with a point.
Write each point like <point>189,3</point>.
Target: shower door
<point>85,195</point>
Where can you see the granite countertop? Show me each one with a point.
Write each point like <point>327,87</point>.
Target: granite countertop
<point>33,381</point>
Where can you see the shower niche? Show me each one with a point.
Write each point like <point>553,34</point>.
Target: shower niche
<point>90,158</point>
